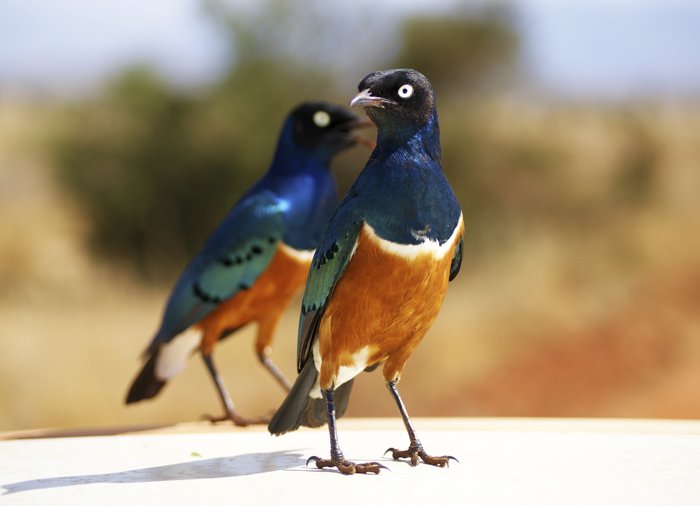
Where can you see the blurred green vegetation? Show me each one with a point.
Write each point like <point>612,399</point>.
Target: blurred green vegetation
<point>138,163</point>
<point>154,167</point>
<point>459,53</point>
<point>636,179</point>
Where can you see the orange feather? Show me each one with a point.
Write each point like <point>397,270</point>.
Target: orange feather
<point>383,302</point>
<point>264,302</point>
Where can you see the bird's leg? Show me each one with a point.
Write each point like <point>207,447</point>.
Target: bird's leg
<point>229,409</point>
<point>276,373</point>
<point>415,448</point>
<point>266,331</point>
<point>337,459</point>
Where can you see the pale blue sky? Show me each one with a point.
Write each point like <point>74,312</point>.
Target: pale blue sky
<point>608,48</point>
<point>57,44</point>
<point>614,47</point>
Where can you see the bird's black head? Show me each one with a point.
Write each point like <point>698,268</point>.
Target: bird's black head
<point>325,127</point>
<point>398,96</point>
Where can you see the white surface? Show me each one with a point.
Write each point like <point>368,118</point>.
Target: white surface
<point>511,461</point>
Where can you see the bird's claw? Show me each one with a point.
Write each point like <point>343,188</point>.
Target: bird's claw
<point>347,467</point>
<point>414,453</point>
<point>313,458</point>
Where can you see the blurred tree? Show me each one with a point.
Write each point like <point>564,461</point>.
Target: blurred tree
<point>460,51</point>
<point>635,182</point>
<point>155,168</point>
<point>502,177</point>
<point>138,161</point>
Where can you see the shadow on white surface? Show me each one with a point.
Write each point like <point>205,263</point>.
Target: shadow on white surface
<point>222,467</point>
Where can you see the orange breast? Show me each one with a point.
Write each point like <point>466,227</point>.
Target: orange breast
<point>271,292</point>
<point>384,302</point>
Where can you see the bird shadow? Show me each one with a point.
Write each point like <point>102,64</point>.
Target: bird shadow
<point>222,467</point>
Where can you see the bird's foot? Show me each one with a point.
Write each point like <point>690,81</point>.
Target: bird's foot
<point>238,420</point>
<point>416,452</point>
<point>347,467</point>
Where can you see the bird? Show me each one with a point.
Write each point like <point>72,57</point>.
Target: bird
<point>382,268</point>
<point>256,260</point>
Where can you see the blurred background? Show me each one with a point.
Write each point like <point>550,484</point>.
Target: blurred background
<point>570,132</point>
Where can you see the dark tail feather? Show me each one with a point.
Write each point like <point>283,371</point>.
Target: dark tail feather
<point>146,385</point>
<point>298,409</point>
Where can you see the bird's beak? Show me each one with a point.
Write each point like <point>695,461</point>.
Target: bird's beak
<point>359,139</point>
<point>360,123</point>
<point>347,130</point>
<point>366,99</point>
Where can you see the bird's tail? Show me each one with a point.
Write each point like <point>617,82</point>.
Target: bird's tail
<point>147,384</point>
<point>299,409</point>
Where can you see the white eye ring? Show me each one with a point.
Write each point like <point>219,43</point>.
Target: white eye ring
<point>406,91</point>
<point>322,119</point>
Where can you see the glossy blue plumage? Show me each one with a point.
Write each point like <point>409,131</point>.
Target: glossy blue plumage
<point>290,203</point>
<point>251,266</point>
<point>402,194</point>
<point>405,199</point>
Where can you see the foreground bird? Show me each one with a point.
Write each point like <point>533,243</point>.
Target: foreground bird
<point>381,270</point>
<point>257,259</point>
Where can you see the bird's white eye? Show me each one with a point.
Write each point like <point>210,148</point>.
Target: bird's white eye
<point>406,91</point>
<point>322,119</point>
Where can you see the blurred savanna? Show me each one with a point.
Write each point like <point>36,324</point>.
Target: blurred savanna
<point>580,284</point>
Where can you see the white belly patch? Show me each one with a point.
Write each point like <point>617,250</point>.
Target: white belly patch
<point>345,372</point>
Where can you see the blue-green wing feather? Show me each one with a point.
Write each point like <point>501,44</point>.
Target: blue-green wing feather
<point>327,267</point>
<point>233,257</point>
<point>456,264</point>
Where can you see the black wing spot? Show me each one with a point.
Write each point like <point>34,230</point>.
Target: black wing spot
<point>249,256</point>
<point>256,249</point>
<point>328,255</point>
<point>204,296</point>
<point>271,240</point>
<point>244,286</point>
<point>227,262</point>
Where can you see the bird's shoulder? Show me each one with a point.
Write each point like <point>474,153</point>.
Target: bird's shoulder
<point>251,216</point>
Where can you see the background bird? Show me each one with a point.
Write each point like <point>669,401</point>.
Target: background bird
<point>381,271</point>
<point>257,259</point>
